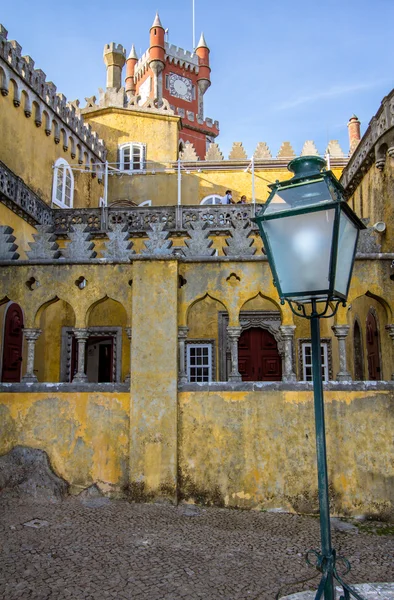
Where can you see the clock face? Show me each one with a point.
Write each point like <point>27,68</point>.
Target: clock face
<point>180,87</point>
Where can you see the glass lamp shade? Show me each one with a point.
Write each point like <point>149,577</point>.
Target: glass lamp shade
<point>310,234</point>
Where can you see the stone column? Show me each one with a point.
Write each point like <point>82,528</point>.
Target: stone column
<point>128,333</point>
<point>81,335</point>
<point>182,336</point>
<point>153,467</point>
<point>287,332</point>
<point>31,336</point>
<point>341,332</point>
<point>390,329</point>
<point>234,334</point>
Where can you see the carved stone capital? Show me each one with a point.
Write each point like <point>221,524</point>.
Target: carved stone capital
<point>31,335</point>
<point>287,331</point>
<point>390,331</point>
<point>340,331</point>
<point>128,331</point>
<point>234,332</point>
<point>182,332</point>
<point>81,334</point>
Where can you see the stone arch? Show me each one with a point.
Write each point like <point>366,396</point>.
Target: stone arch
<point>64,138</point>
<point>199,299</point>
<point>26,101</point>
<point>56,131</point>
<point>37,113</point>
<point>86,161</point>
<point>47,122</point>
<point>358,351</point>
<point>13,372</point>
<point>15,92</point>
<point>107,320</point>
<point>72,147</point>
<point>264,299</point>
<point>4,82</point>
<point>361,307</point>
<point>203,321</point>
<point>79,154</point>
<point>52,318</point>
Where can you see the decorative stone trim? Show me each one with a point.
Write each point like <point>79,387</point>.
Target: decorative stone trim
<point>377,140</point>
<point>31,336</point>
<point>182,337</point>
<point>19,198</point>
<point>99,331</point>
<point>390,331</point>
<point>341,332</point>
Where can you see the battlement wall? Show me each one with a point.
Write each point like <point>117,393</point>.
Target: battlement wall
<point>40,97</point>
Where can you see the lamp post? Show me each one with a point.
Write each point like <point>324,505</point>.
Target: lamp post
<point>310,237</point>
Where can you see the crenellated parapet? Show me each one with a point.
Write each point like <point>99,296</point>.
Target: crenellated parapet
<point>262,153</point>
<point>39,99</point>
<point>182,58</point>
<point>376,144</point>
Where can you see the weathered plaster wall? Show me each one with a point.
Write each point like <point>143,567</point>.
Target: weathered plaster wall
<point>48,346</point>
<point>257,449</point>
<point>373,199</point>
<point>86,435</point>
<point>154,375</point>
<point>21,134</point>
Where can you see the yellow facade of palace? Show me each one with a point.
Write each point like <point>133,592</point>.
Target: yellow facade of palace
<point>138,315</point>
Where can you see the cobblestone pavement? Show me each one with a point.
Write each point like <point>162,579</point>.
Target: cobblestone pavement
<point>98,549</point>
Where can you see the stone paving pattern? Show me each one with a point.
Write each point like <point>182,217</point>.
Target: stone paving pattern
<point>96,548</point>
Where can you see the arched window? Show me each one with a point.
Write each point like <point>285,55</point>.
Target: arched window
<point>146,203</point>
<point>358,353</point>
<point>63,184</point>
<point>132,157</point>
<point>212,199</point>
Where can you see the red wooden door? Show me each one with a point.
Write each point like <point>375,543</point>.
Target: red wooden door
<point>13,344</point>
<point>258,356</point>
<point>373,354</point>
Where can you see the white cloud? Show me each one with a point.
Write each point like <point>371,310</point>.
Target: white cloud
<point>333,92</point>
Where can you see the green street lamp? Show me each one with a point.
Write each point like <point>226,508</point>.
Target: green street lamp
<point>310,237</point>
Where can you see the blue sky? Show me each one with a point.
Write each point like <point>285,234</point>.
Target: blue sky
<point>284,71</point>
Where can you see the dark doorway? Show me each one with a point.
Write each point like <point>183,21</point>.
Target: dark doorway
<point>99,358</point>
<point>13,344</point>
<point>358,353</point>
<point>258,356</point>
<point>373,353</point>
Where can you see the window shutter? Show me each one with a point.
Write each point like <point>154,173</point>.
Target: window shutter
<point>118,158</point>
<point>143,156</point>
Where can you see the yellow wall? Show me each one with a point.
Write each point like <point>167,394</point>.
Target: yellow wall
<point>154,377</point>
<point>23,232</point>
<point>240,449</point>
<point>48,346</point>
<point>85,434</point>
<point>22,142</point>
<point>257,449</point>
<point>373,199</point>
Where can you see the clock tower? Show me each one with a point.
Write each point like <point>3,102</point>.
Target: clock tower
<point>166,72</point>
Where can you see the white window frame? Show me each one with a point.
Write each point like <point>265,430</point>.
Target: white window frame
<point>146,203</point>
<point>212,199</point>
<point>308,365</point>
<point>61,170</point>
<point>132,146</point>
<point>207,364</point>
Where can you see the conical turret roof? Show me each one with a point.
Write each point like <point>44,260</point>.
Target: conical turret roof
<point>157,22</point>
<point>133,53</point>
<point>202,43</point>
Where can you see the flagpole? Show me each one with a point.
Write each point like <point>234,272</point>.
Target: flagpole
<point>194,25</point>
